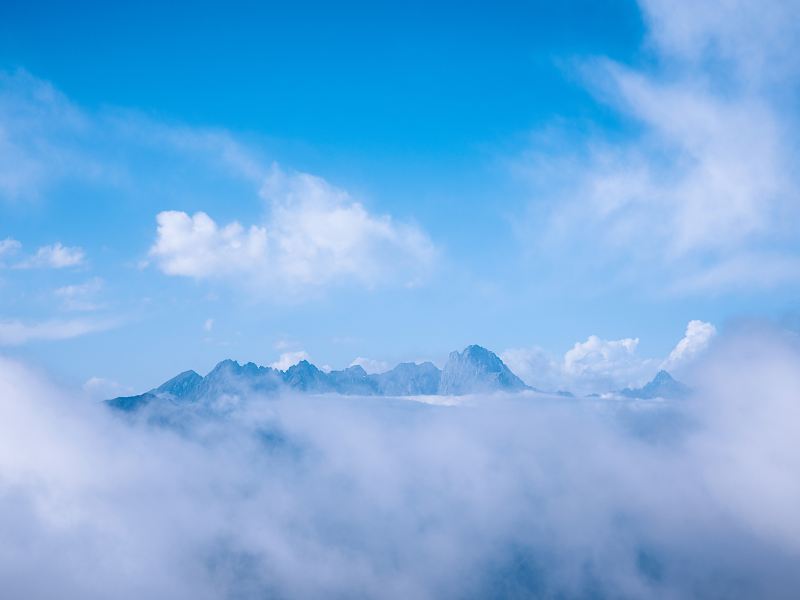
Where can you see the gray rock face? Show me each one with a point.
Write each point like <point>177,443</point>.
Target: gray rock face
<point>181,385</point>
<point>477,369</point>
<point>230,378</point>
<point>307,378</point>
<point>353,380</point>
<point>409,379</point>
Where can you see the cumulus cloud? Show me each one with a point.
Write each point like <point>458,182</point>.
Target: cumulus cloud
<point>317,497</point>
<point>288,359</point>
<point>589,366</point>
<point>610,360</point>
<point>605,365</point>
<point>16,332</point>
<point>316,234</point>
<point>536,367</point>
<point>195,246</point>
<point>707,178</point>
<point>696,340</point>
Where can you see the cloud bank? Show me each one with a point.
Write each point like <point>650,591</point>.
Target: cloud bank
<point>319,497</point>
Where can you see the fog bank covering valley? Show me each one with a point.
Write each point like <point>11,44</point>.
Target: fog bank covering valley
<point>502,495</point>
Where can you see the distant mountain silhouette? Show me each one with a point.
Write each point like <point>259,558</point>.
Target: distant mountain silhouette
<point>410,379</point>
<point>477,369</point>
<point>474,370</point>
<point>663,385</point>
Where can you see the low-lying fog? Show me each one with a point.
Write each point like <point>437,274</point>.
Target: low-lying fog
<point>503,496</point>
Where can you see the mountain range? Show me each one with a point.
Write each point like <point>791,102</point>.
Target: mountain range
<point>475,370</point>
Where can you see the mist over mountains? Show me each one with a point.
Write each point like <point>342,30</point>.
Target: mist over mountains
<point>505,495</point>
<point>475,370</point>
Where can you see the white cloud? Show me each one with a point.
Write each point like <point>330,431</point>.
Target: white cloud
<point>709,175</point>
<point>54,256</point>
<point>608,364</point>
<point>9,247</point>
<point>594,365</point>
<point>315,235</point>
<point>306,498</point>
<point>370,365</point>
<point>695,341</point>
<point>754,39</point>
<point>288,359</point>
<point>598,365</point>
<point>194,246</point>
<point>208,325</point>
<point>322,234</point>
<point>80,297</point>
<point>16,332</point>
<point>536,367</point>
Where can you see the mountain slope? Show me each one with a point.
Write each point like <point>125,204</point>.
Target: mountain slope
<point>663,385</point>
<point>477,369</point>
<point>474,370</point>
<point>409,379</point>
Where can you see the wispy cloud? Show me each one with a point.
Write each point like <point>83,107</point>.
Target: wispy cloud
<point>315,234</point>
<point>17,332</point>
<point>55,256</point>
<point>8,247</point>
<point>47,139</point>
<point>80,296</point>
<point>706,173</point>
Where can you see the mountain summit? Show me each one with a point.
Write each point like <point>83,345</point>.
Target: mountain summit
<point>477,369</point>
<point>663,385</point>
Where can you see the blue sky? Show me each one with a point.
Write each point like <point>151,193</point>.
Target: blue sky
<point>390,182</point>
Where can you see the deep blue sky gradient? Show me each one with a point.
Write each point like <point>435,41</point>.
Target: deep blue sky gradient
<point>418,109</point>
